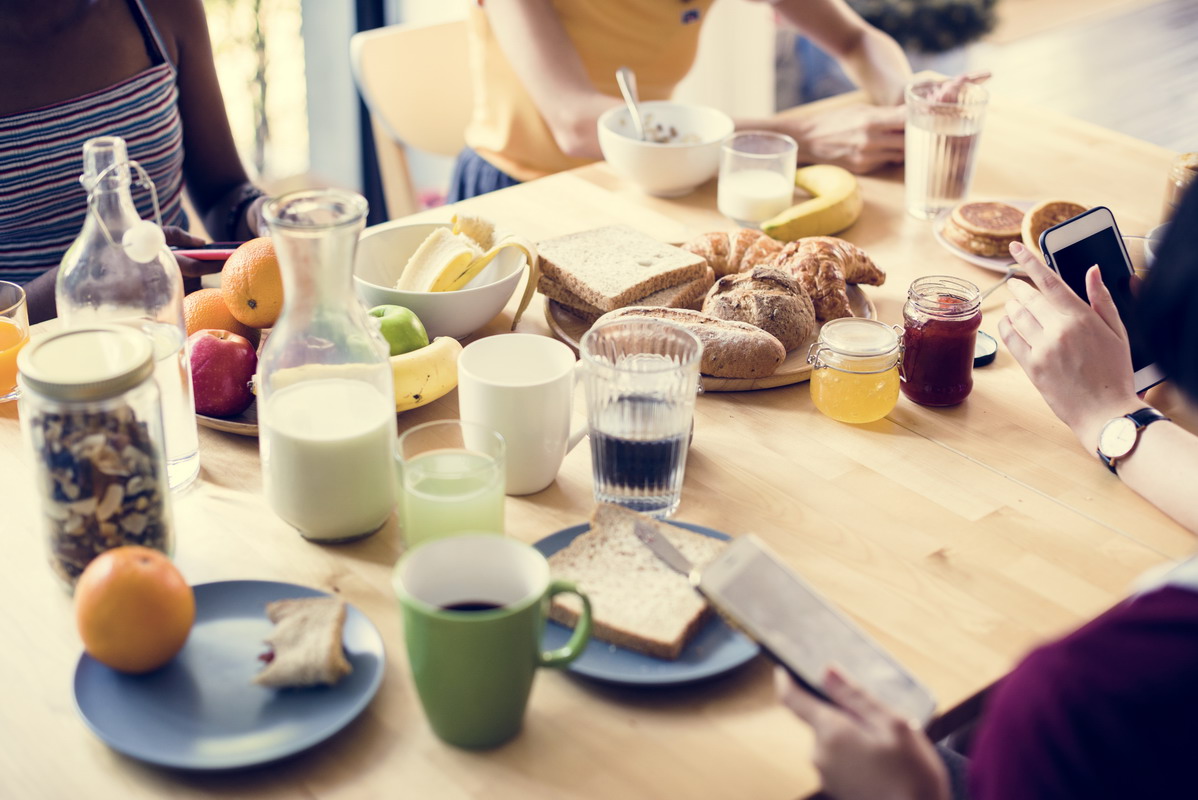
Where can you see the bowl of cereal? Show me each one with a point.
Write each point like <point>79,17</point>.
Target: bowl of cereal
<point>681,149</point>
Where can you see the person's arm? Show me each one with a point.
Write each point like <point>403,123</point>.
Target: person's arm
<point>531,35</point>
<point>1077,355</point>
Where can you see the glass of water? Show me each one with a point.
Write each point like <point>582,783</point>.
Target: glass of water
<point>941,144</point>
<point>640,377</point>
<point>451,480</point>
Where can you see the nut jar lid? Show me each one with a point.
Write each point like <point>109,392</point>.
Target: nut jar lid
<point>87,364</point>
<point>852,336</point>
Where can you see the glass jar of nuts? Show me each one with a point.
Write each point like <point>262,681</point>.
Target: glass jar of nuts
<point>93,416</point>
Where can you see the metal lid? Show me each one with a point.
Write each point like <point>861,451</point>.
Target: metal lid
<point>852,336</point>
<point>86,364</point>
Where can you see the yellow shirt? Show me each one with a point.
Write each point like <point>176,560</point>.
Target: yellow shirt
<point>658,39</point>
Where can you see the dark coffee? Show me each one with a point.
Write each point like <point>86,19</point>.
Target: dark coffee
<point>472,605</point>
<point>637,446</point>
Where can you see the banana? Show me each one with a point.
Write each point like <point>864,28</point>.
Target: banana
<point>835,204</point>
<point>441,254</point>
<point>427,374</point>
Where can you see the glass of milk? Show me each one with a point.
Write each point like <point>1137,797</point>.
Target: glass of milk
<point>757,176</point>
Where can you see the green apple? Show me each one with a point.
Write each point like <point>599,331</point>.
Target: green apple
<point>402,329</point>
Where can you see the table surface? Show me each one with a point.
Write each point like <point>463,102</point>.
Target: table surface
<point>959,537</point>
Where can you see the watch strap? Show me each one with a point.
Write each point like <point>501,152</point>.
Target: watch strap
<point>1142,419</point>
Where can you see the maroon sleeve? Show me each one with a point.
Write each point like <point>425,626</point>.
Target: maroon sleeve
<point>1111,711</point>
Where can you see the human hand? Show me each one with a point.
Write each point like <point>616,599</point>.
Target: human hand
<point>949,91</point>
<point>190,267</point>
<point>862,748</point>
<point>860,138</point>
<point>1076,354</point>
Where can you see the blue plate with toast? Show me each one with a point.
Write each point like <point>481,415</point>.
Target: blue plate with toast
<point>202,711</point>
<point>715,650</point>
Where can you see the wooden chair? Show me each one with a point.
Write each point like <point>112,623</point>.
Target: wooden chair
<point>415,80</point>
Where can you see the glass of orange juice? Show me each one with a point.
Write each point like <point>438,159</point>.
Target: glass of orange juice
<point>14,333</point>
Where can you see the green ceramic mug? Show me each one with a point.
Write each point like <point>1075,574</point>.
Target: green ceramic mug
<point>474,608</point>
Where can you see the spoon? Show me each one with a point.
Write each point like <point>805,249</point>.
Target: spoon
<point>1012,271</point>
<point>626,78</point>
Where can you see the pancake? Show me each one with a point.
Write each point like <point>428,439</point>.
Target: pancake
<point>1044,215</point>
<point>984,228</point>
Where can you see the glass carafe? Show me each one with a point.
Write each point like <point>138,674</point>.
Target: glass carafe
<point>101,279</point>
<point>326,401</point>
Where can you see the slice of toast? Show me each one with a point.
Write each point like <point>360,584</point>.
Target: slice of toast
<point>616,266</point>
<point>637,602</point>
<point>305,643</point>
<point>684,295</point>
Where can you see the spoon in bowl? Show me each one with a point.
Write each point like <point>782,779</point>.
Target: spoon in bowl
<point>626,79</point>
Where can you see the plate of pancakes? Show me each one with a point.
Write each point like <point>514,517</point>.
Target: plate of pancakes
<point>981,231</point>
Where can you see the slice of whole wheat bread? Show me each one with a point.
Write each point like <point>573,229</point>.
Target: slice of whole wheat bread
<point>616,266</point>
<point>637,602</point>
<point>684,295</point>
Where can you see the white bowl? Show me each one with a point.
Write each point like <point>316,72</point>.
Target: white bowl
<point>383,250</point>
<point>665,169</point>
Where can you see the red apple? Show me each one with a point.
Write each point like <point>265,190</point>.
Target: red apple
<point>222,366</point>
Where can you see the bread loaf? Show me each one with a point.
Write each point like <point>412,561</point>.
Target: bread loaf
<point>738,251</point>
<point>637,601</point>
<point>616,266</point>
<point>767,298</point>
<point>731,349</point>
<point>684,295</point>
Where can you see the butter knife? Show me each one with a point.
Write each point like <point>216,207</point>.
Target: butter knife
<point>665,550</point>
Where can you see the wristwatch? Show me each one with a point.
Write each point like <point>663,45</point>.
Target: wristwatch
<point>1120,436</point>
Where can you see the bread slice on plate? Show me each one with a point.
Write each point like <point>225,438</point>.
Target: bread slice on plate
<point>637,602</point>
<point>684,295</point>
<point>616,266</point>
<point>305,643</point>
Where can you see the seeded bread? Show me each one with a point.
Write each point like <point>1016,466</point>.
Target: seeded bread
<point>305,643</point>
<point>767,298</point>
<point>637,602</point>
<point>684,295</point>
<point>616,266</point>
<point>731,349</point>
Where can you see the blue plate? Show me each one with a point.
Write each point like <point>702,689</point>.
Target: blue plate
<point>202,711</point>
<point>716,649</point>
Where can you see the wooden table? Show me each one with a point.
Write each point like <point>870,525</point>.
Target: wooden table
<point>959,537</point>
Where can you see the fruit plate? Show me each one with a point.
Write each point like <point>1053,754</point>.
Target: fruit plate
<point>203,712</point>
<point>244,424</point>
<point>996,263</point>
<point>569,328</point>
<point>715,650</point>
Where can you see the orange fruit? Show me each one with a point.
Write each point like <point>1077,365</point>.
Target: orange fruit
<point>206,309</point>
<point>251,284</point>
<point>133,609</point>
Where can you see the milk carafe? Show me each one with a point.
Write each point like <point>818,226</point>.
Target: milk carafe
<point>119,270</point>
<point>326,402</point>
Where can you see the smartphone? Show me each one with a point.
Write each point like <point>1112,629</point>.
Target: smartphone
<point>758,594</point>
<point>1090,238</point>
<point>213,251</point>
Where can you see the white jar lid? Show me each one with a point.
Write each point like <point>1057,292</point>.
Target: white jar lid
<point>852,336</point>
<point>87,364</point>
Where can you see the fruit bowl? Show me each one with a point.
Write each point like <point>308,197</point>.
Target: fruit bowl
<point>383,251</point>
<point>665,169</point>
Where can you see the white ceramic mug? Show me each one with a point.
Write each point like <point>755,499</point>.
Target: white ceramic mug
<point>522,385</point>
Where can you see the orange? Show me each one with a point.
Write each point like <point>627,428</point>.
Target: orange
<point>133,609</point>
<point>206,309</point>
<point>251,284</point>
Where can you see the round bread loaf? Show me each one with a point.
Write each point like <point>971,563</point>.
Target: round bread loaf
<point>767,298</point>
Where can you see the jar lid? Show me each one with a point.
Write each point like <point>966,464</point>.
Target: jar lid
<point>86,364</point>
<point>852,336</point>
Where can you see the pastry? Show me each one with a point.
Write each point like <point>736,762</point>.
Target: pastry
<point>768,298</point>
<point>822,264</point>
<point>738,251</point>
<point>305,643</point>
<point>984,228</point>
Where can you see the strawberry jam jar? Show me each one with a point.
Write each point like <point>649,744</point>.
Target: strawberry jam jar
<point>940,325</point>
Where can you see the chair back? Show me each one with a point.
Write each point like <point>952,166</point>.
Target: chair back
<point>415,81</point>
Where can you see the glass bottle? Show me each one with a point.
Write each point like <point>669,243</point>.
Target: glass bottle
<point>940,324</point>
<point>326,400</point>
<point>91,414</point>
<point>100,281</point>
<point>1182,172</point>
<point>854,375</point>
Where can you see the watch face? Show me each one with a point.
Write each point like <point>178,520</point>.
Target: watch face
<point>1118,437</point>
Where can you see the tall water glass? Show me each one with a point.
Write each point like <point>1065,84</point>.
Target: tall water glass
<point>641,377</point>
<point>757,176</point>
<point>451,478</point>
<point>941,138</point>
<point>14,334</point>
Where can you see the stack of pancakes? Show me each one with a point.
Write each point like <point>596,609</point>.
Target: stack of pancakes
<point>984,228</point>
<point>1043,216</point>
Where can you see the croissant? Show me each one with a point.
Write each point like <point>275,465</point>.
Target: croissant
<point>854,262</point>
<point>739,251</point>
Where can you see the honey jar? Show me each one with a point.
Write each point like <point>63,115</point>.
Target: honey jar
<point>855,369</point>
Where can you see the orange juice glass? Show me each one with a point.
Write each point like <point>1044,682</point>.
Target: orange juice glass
<point>14,333</point>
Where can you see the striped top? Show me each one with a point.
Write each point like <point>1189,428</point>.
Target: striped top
<point>42,203</point>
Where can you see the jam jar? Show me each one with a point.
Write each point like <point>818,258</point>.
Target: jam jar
<point>854,369</point>
<point>940,325</point>
<point>92,414</point>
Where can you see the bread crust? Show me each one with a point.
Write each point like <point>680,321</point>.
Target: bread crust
<point>767,298</point>
<point>684,295</point>
<point>731,349</point>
